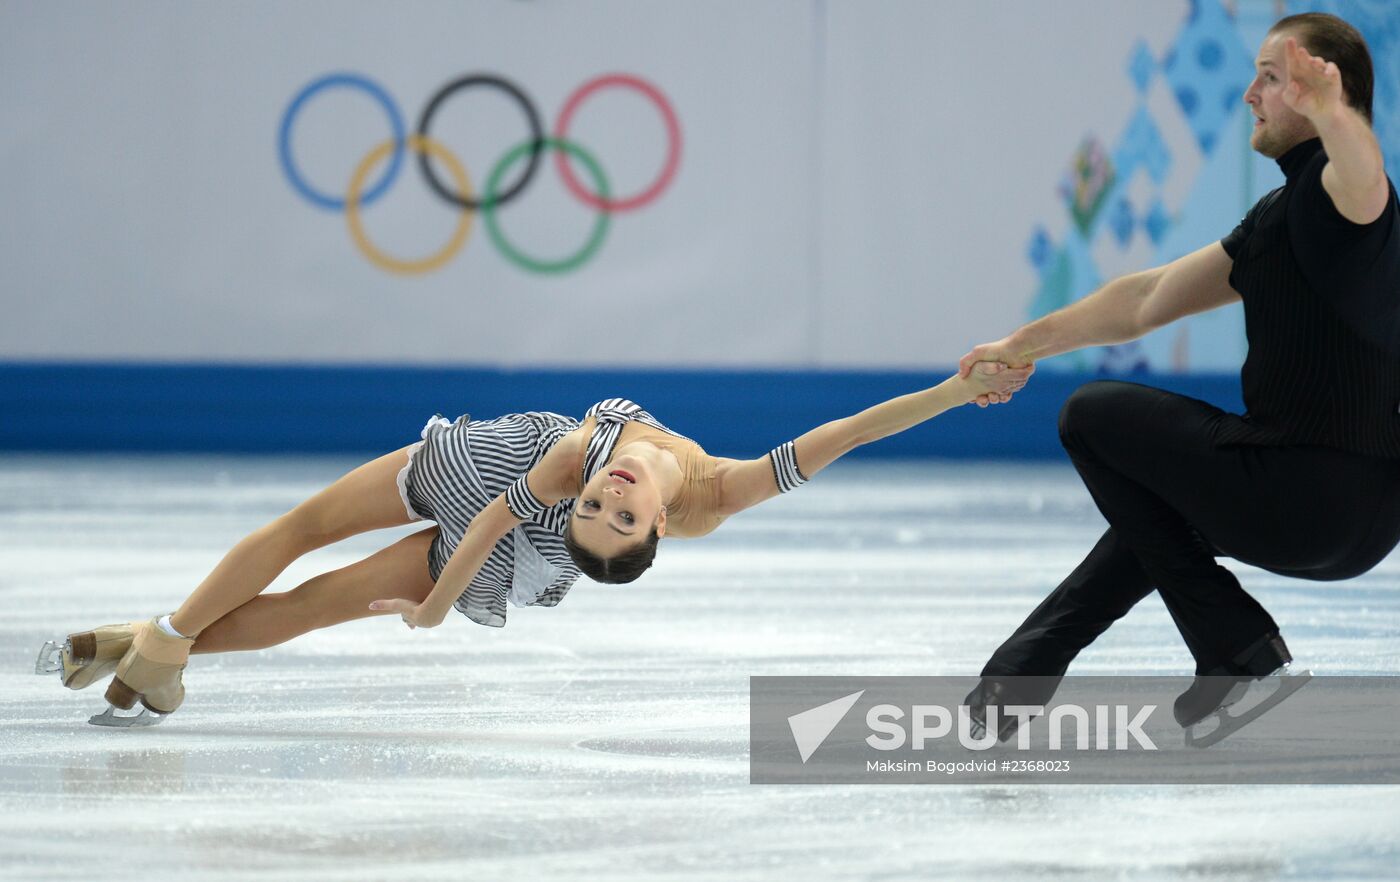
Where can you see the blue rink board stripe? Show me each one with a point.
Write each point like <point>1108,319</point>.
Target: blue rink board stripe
<point>364,409</point>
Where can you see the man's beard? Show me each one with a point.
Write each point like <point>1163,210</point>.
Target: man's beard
<point>1266,143</point>
<point>1273,142</point>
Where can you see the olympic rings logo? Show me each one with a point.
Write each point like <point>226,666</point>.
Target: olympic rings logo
<point>496,193</point>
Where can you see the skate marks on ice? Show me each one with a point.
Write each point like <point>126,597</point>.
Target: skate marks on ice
<point>607,738</point>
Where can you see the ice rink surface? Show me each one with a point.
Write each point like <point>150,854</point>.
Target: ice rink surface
<point>606,738</point>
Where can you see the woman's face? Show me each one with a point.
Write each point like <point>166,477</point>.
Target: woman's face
<point>618,507</point>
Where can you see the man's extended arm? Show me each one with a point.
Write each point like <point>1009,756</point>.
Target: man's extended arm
<point>1124,309</point>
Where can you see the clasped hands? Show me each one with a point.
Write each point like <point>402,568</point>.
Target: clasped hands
<point>994,372</point>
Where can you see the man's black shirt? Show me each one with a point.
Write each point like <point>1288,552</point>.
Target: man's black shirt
<point>1322,316</point>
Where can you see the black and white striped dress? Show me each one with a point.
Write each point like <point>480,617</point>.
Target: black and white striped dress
<point>461,466</point>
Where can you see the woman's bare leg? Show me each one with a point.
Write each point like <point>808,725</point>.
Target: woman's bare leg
<point>401,570</point>
<point>366,499</point>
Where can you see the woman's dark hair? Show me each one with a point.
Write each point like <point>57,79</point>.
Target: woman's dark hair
<point>626,567</point>
<point>1332,39</point>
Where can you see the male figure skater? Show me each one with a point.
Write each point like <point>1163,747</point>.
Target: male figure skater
<point>1307,482</point>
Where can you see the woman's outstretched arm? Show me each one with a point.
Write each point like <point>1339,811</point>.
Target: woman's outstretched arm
<point>745,483</point>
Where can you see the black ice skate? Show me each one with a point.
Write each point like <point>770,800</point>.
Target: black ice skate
<point>1003,692</point>
<point>1263,678</point>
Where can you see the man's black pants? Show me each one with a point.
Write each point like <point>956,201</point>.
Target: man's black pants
<point>1174,502</point>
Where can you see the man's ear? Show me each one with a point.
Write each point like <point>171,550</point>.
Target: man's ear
<point>661,523</point>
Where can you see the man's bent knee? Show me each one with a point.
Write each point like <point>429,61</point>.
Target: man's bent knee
<point>1092,406</point>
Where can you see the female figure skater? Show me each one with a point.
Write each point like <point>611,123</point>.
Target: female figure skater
<point>522,504</point>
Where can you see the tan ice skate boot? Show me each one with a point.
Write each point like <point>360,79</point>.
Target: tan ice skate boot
<point>87,656</point>
<point>150,672</point>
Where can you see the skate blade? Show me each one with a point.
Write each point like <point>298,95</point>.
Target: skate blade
<point>50,659</point>
<point>1203,734</point>
<point>977,729</point>
<point>112,720</point>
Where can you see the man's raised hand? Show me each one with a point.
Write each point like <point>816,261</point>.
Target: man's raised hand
<point>1314,85</point>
